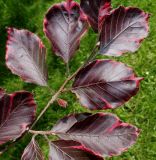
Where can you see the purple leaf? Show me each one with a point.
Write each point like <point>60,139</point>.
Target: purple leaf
<point>105,84</point>
<point>17,112</point>
<point>1,92</point>
<point>95,11</point>
<point>64,25</point>
<point>123,31</point>
<point>102,133</point>
<point>25,56</point>
<point>67,122</point>
<point>70,150</point>
<point>32,151</point>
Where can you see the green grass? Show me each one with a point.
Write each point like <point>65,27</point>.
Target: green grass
<point>140,110</point>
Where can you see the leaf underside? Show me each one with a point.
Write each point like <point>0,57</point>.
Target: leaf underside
<point>103,134</point>
<point>64,25</point>
<point>105,84</point>
<point>123,31</point>
<point>32,151</point>
<point>25,56</point>
<point>17,112</point>
<point>70,150</point>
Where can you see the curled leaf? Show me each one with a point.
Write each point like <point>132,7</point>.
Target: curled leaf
<point>17,112</point>
<point>64,25</point>
<point>25,56</point>
<point>123,31</point>
<point>105,84</point>
<point>104,134</point>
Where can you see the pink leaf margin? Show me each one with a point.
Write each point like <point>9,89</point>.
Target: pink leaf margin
<point>14,70</point>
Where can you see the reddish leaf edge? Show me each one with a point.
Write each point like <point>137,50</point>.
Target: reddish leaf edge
<point>12,95</point>
<point>119,123</point>
<point>68,6</point>
<point>104,11</point>
<point>13,70</point>
<point>32,102</point>
<point>82,148</point>
<point>137,80</point>
<point>2,92</point>
<point>33,140</point>
<point>147,17</point>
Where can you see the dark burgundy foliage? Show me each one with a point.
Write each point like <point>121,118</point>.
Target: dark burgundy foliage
<point>99,84</point>
<point>64,25</point>
<point>25,56</point>
<point>17,112</point>
<point>96,10</point>
<point>67,122</point>
<point>123,31</point>
<point>32,151</point>
<point>105,84</point>
<point>2,92</point>
<point>70,150</point>
<point>102,133</point>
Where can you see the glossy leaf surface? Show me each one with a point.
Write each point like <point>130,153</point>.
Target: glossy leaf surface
<point>104,134</point>
<point>95,10</point>
<point>64,25</point>
<point>25,56</point>
<point>17,112</point>
<point>123,31</point>
<point>32,151</point>
<point>105,84</point>
<point>70,150</point>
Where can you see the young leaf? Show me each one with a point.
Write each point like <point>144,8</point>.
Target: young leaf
<point>32,151</point>
<point>64,25</point>
<point>70,150</point>
<point>123,31</point>
<point>102,133</point>
<point>94,9</point>
<point>62,103</point>
<point>25,56</point>
<point>105,84</point>
<point>17,112</point>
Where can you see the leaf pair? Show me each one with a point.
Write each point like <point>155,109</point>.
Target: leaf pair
<point>121,30</point>
<point>89,137</point>
<point>64,25</point>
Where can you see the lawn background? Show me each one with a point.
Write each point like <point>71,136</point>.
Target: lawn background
<point>140,110</point>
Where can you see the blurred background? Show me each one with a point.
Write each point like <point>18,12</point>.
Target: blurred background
<point>140,110</point>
